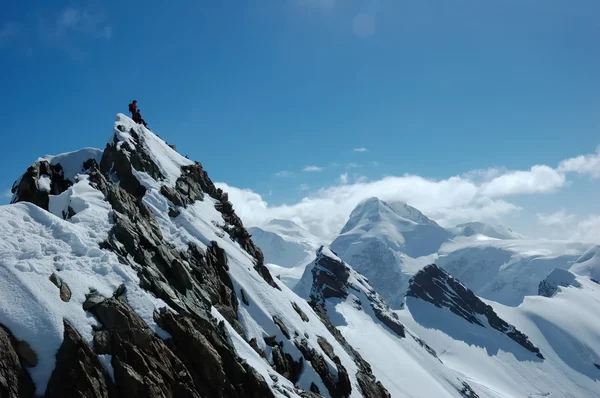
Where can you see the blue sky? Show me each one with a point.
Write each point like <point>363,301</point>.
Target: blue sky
<point>434,88</point>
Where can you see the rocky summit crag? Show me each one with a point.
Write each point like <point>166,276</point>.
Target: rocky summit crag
<point>222,331</point>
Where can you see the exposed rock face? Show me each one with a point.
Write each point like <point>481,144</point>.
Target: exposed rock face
<point>436,286</point>
<point>559,277</point>
<point>39,181</point>
<point>14,378</point>
<point>78,372</point>
<point>331,279</point>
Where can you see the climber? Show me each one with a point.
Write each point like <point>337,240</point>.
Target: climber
<point>133,108</point>
<point>137,117</point>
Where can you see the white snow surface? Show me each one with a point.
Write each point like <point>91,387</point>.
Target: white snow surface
<point>404,367</point>
<point>33,245</point>
<point>588,264</point>
<point>287,248</point>
<point>564,327</point>
<point>72,162</point>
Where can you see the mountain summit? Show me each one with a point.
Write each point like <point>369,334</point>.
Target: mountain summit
<point>127,273</point>
<point>380,238</point>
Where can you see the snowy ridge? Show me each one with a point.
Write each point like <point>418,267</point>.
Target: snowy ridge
<point>152,224</point>
<point>502,367</point>
<point>405,363</point>
<point>506,270</point>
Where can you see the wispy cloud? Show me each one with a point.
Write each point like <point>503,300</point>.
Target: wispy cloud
<point>304,187</point>
<point>584,164</point>
<point>475,195</point>
<point>353,165</point>
<point>312,169</point>
<point>362,149</point>
<point>284,173</point>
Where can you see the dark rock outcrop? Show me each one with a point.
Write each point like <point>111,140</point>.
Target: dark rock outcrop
<point>41,180</point>
<point>436,286</point>
<point>559,277</point>
<point>78,372</point>
<point>15,381</point>
<point>331,279</point>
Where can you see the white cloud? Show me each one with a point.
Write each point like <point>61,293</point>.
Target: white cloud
<point>284,173</point>
<point>362,149</point>
<point>537,180</point>
<point>571,227</point>
<point>478,195</point>
<point>325,211</point>
<point>559,218</point>
<point>313,168</point>
<point>584,164</point>
<point>353,165</point>
<point>304,187</point>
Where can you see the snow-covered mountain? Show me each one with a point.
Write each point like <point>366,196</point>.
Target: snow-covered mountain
<point>287,248</point>
<point>546,347</point>
<point>382,242</point>
<point>403,362</point>
<point>489,230</point>
<point>133,276</point>
<point>506,270</point>
<point>125,272</point>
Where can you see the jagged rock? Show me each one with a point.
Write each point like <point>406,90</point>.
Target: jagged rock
<point>64,290</point>
<point>436,286</point>
<point>244,298</point>
<point>78,372</point>
<point>15,381</point>
<point>254,344</point>
<point>467,391</point>
<point>326,347</point>
<point>213,363</point>
<point>285,365</point>
<point>27,354</point>
<point>39,181</point>
<point>559,277</point>
<point>270,341</point>
<point>367,382</point>
<point>282,326</point>
<point>299,311</point>
<point>597,365</point>
<point>331,279</point>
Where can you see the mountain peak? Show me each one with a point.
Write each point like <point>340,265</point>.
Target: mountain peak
<point>434,285</point>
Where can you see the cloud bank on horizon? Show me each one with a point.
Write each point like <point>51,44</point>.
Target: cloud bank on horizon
<point>478,195</point>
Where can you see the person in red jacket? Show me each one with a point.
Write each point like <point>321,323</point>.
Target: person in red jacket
<point>133,108</point>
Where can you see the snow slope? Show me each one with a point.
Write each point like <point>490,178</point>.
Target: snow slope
<point>506,270</point>
<point>287,248</point>
<point>382,242</point>
<point>588,264</point>
<point>564,327</point>
<point>35,243</point>
<point>479,228</point>
<point>399,359</point>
